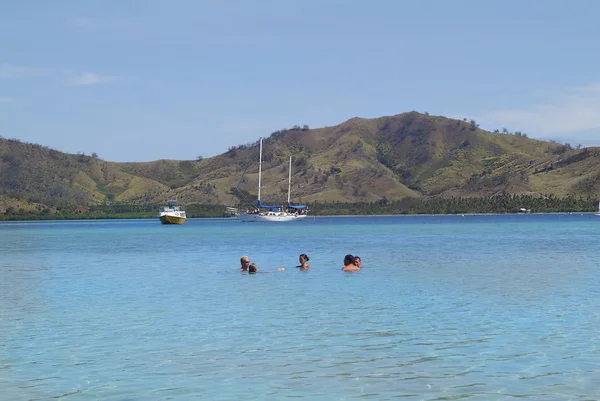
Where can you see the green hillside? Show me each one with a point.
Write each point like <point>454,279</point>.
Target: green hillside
<point>409,155</point>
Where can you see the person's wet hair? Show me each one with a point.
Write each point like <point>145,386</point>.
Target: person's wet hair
<point>252,268</point>
<point>348,260</point>
<point>305,256</point>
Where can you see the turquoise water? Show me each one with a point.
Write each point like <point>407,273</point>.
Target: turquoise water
<point>446,307</point>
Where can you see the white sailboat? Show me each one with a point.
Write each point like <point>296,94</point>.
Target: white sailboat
<point>273,213</point>
<point>598,212</point>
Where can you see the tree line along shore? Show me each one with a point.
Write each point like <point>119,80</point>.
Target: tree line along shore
<point>497,204</point>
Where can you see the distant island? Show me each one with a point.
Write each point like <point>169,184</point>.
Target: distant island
<point>403,164</point>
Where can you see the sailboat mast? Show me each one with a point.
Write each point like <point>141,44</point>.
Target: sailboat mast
<point>290,181</point>
<point>259,168</point>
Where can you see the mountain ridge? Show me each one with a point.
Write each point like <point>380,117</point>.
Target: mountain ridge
<point>392,157</point>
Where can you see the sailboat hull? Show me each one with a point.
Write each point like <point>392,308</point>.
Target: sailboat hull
<point>255,218</point>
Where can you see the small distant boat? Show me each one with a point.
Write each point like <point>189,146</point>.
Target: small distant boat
<point>598,212</point>
<point>172,214</point>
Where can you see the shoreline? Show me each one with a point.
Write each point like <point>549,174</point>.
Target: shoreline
<point>309,217</point>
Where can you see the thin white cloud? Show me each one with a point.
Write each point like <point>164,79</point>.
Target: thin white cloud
<point>571,112</point>
<point>6,99</point>
<point>10,71</point>
<point>88,78</point>
<point>13,72</point>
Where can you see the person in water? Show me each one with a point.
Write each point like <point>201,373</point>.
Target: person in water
<point>253,269</point>
<point>303,258</point>
<point>245,261</point>
<point>357,261</point>
<point>349,265</point>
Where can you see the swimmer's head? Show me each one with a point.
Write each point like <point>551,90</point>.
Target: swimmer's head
<point>252,268</point>
<point>348,260</point>
<point>245,261</point>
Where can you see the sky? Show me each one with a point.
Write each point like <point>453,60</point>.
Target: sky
<point>149,80</point>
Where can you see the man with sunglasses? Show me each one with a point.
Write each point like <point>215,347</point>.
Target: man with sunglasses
<point>245,261</point>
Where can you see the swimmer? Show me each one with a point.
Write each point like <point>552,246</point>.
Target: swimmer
<point>245,261</point>
<point>303,258</point>
<point>252,268</point>
<point>349,265</point>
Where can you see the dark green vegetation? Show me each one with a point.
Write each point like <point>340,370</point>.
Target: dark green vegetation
<point>111,211</point>
<point>408,163</point>
<point>495,204</point>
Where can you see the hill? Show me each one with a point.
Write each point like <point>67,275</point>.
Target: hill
<point>393,157</point>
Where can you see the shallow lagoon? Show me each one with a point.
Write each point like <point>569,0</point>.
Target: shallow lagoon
<point>446,307</point>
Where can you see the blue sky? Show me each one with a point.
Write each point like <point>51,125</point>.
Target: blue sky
<point>141,81</point>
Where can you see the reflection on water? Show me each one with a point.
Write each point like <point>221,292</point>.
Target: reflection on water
<point>446,307</point>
